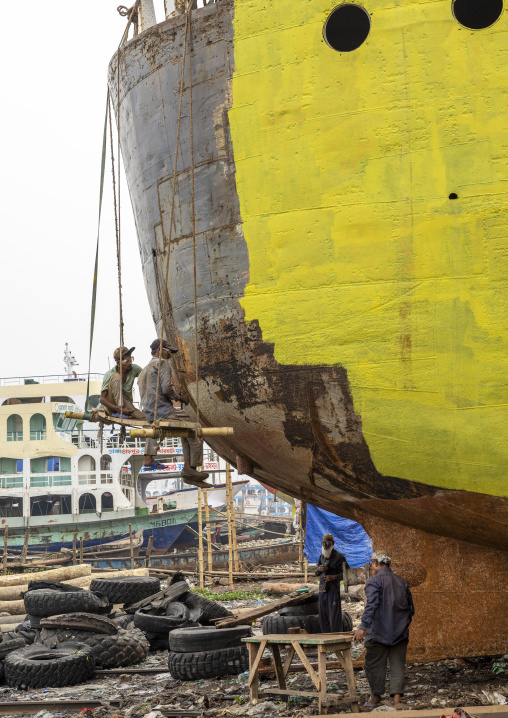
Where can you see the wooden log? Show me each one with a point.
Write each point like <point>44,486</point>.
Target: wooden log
<point>247,617</point>
<point>56,574</point>
<point>13,607</point>
<point>274,587</point>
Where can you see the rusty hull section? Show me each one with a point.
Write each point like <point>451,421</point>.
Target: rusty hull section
<point>296,425</point>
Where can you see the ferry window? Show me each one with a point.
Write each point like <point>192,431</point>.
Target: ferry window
<point>347,27</point>
<point>10,466</point>
<point>107,501</point>
<point>14,428</point>
<point>11,507</point>
<point>86,470</point>
<point>87,504</point>
<point>19,466</point>
<point>37,427</point>
<point>50,505</point>
<point>477,14</point>
<point>105,462</point>
<point>57,463</point>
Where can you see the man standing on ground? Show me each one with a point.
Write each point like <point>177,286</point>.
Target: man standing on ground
<point>385,627</point>
<point>117,385</point>
<point>165,396</point>
<point>329,570</point>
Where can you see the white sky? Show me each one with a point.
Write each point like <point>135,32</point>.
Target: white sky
<point>55,58</point>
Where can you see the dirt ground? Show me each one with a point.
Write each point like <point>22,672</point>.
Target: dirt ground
<point>443,686</point>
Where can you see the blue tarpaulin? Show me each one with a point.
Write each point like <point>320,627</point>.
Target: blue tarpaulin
<point>350,537</point>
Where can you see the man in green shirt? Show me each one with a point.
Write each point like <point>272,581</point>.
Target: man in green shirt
<point>117,385</point>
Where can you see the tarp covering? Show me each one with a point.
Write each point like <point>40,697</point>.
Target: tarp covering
<point>350,537</point>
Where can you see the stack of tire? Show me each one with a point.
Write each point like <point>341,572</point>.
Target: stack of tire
<point>207,652</point>
<point>66,614</point>
<point>6,647</point>
<point>303,616</point>
<point>187,610</point>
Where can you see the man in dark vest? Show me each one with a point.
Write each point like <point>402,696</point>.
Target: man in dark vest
<point>329,570</point>
<point>385,627</point>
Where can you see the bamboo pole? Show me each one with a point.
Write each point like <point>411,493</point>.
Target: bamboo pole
<point>230,527</point>
<point>200,538</point>
<point>74,538</point>
<point>300,543</point>
<point>229,488</point>
<point>25,546</point>
<point>149,551</point>
<point>208,531</point>
<point>131,541</point>
<point>81,549</point>
<point>306,570</point>
<point>6,536</point>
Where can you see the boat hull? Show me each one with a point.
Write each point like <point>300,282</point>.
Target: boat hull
<point>298,424</point>
<point>165,529</point>
<point>266,555</point>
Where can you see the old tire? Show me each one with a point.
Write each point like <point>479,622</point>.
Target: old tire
<point>308,609</point>
<point>129,589</point>
<point>126,648</point>
<point>41,667</point>
<point>124,621</point>
<point>81,622</point>
<point>177,616</point>
<point>11,645</point>
<point>280,624</point>
<point>211,609</point>
<point>157,641</point>
<point>197,640</point>
<point>35,621</point>
<point>208,664</point>
<point>347,622</point>
<point>52,603</point>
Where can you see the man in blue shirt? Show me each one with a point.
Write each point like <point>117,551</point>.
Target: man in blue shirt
<point>385,628</point>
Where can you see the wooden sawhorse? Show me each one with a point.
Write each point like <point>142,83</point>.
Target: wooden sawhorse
<point>339,643</point>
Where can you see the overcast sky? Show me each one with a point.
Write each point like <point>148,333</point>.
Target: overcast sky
<point>55,59</point>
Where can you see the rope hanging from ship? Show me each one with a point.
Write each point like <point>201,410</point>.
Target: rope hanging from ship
<point>160,428</point>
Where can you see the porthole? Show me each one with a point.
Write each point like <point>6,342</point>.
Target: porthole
<point>347,27</point>
<point>477,14</point>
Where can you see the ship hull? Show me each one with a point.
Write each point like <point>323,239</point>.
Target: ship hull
<point>165,528</point>
<point>296,424</point>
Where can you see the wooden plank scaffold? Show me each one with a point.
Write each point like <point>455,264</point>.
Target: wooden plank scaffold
<point>338,643</point>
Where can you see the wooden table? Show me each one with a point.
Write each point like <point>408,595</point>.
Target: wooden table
<point>338,643</point>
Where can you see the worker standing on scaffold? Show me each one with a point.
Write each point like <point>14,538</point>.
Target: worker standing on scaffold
<point>118,381</point>
<point>166,395</point>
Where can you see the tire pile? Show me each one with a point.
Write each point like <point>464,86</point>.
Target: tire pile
<point>69,631</point>
<point>303,616</point>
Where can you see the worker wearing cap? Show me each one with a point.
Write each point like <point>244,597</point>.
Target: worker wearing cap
<point>117,385</point>
<point>329,570</point>
<point>159,368</point>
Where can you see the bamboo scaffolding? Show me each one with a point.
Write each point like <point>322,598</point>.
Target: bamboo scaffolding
<point>25,546</point>
<point>230,526</point>
<point>208,531</point>
<point>149,551</point>
<point>74,539</point>
<point>200,538</point>
<point>6,536</point>
<point>131,541</point>
<point>81,549</point>
<point>229,496</point>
